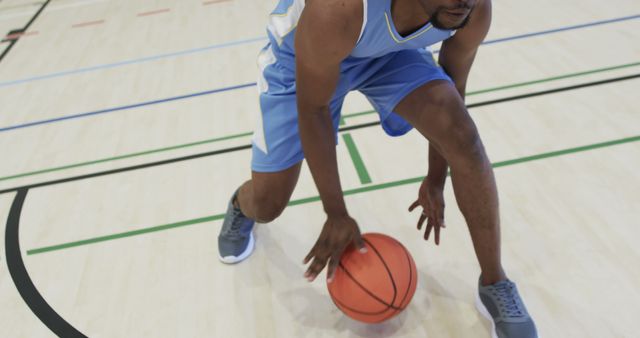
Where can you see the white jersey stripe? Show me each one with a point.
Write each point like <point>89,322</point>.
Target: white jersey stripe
<point>364,19</point>
<point>282,24</point>
<point>265,59</point>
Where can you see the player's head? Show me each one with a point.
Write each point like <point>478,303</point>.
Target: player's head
<point>448,14</point>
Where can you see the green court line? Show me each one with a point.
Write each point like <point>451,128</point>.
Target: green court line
<point>108,159</point>
<point>317,198</point>
<point>125,234</point>
<point>523,84</point>
<point>363,174</point>
<point>342,122</point>
<point>368,112</point>
<point>555,78</point>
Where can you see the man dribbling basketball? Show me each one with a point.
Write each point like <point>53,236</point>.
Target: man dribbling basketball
<point>320,50</point>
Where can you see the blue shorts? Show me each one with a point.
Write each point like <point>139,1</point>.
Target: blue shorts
<point>385,81</point>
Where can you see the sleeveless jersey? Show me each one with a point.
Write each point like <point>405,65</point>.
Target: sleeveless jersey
<point>378,35</point>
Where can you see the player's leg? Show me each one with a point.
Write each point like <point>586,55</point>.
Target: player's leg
<point>437,111</point>
<point>414,87</point>
<point>265,195</point>
<point>261,199</point>
<point>276,160</point>
<point>411,90</point>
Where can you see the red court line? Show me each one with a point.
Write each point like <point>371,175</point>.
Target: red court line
<point>19,35</point>
<point>212,2</point>
<point>89,23</point>
<point>158,11</point>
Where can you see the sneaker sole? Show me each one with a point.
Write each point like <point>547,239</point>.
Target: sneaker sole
<point>237,259</point>
<point>485,313</point>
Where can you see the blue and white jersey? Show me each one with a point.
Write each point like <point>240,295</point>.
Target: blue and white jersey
<point>378,35</point>
<point>384,66</point>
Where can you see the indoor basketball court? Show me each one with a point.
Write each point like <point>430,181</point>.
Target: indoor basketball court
<point>125,126</point>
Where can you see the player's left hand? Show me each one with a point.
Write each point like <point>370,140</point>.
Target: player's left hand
<point>431,198</point>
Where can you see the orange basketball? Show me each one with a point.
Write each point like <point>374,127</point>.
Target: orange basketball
<point>377,285</point>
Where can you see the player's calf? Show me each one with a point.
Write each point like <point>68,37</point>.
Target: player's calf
<point>268,207</point>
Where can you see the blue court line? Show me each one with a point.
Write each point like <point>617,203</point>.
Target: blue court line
<point>137,105</point>
<point>246,41</point>
<point>129,62</point>
<point>224,89</point>
<point>562,29</point>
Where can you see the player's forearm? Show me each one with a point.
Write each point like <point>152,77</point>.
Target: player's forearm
<point>318,143</point>
<point>438,166</point>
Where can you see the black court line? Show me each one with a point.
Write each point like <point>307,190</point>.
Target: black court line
<point>135,167</point>
<point>24,29</point>
<point>520,97</point>
<point>360,126</point>
<point>21,279</point>
<point>38,304</point>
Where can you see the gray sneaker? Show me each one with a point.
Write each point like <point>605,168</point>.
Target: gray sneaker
<point>501,304</point>
<point>235,241</point>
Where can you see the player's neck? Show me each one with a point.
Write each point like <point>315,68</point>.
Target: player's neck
<point>408,16</point>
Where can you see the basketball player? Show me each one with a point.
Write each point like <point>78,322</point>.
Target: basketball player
<point>318,51</point>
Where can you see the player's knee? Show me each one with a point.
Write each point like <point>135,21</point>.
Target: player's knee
<point>460,139</point>
<point>268,208</point>
<point>465,138</point>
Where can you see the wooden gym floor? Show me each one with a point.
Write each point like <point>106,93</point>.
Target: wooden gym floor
<point>123,132</point>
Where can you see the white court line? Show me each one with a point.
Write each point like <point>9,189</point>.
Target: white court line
<point>52,8</point>
<point>14,7</point>
<point>75,4</point>
<point>17,15</point>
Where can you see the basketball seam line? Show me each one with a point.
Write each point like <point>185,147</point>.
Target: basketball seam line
<point>393,283</point>
<point>340,304</point>
<point>409,260</point>
<point>389,306</point>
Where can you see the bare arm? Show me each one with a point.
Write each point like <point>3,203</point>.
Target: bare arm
<point>456,57</point>
<point>325,36</point>
<point>458,52</point>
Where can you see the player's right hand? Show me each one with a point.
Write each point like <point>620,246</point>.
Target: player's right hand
<point>338,232</point>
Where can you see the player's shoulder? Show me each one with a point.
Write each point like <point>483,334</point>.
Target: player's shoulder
<point>335,10</point>
<point>328,19</point>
